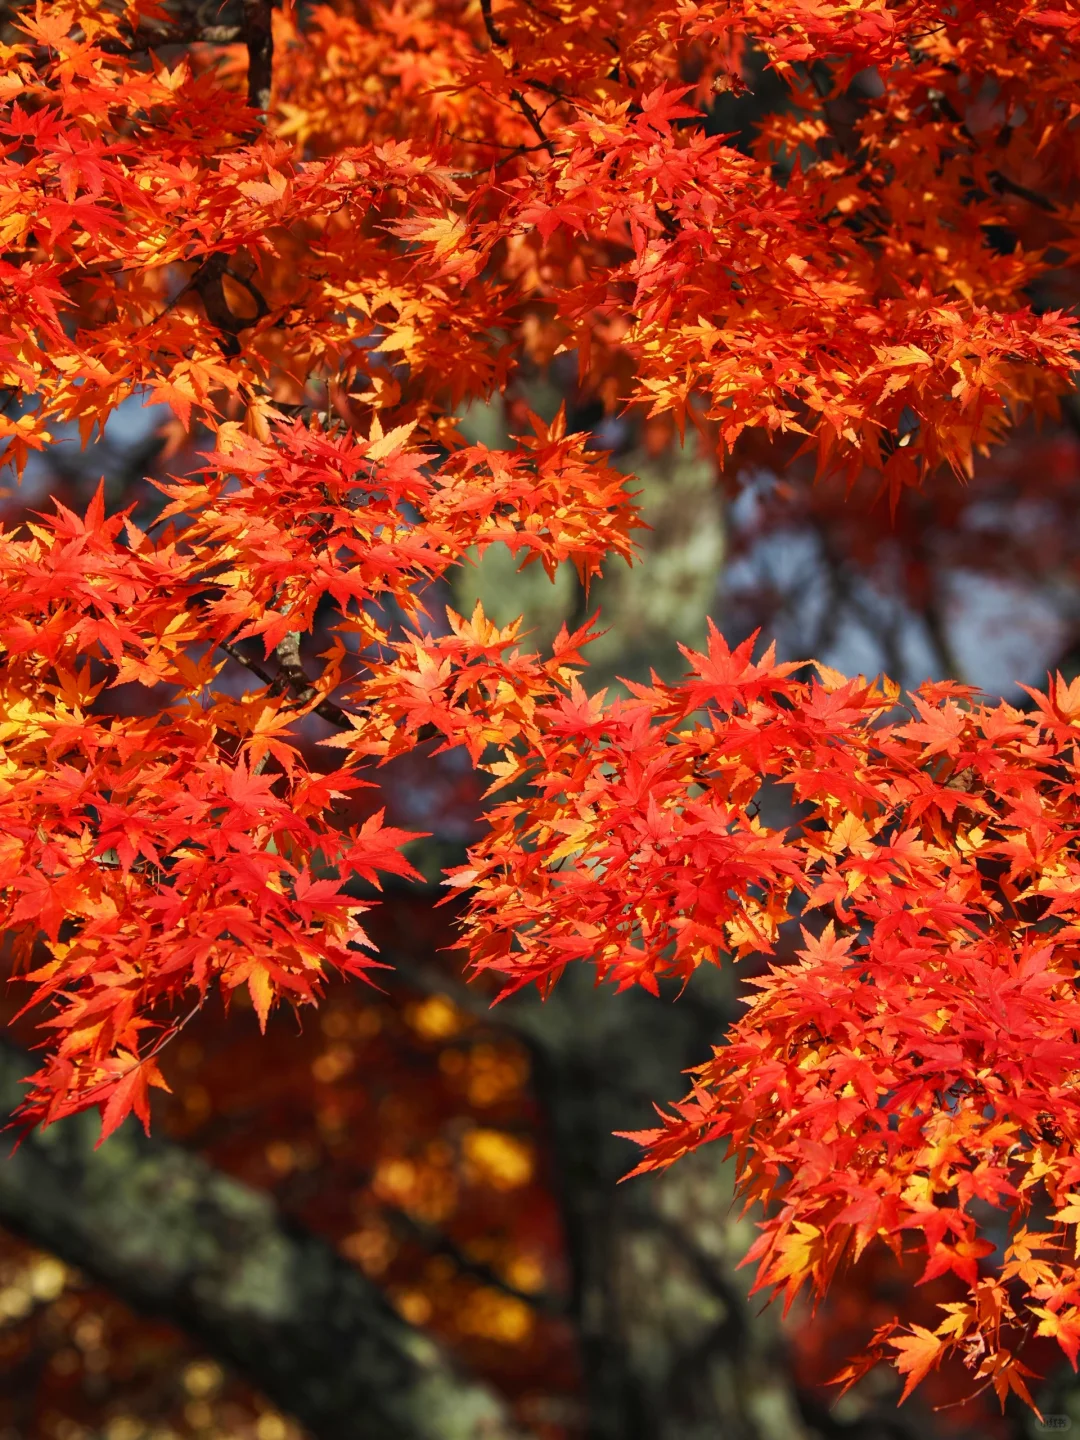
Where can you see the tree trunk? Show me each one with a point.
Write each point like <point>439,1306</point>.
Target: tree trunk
<point>175,1238</point>
<point>671,1348</point>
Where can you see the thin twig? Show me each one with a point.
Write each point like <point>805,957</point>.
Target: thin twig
<point>483,143</point>
<point>171,1035</point>
<point>437,1241</point>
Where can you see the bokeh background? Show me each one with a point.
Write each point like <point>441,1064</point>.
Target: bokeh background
<point>464,1159</point>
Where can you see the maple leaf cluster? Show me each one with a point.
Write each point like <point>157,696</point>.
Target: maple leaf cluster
<point>161,845</point>
<point>439,195</point>
<point>921,1055</point>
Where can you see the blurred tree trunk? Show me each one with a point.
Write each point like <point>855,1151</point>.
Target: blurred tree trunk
<point>670,1347</point>
<point>175,1238</point>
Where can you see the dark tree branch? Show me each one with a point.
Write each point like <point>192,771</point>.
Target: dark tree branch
<point>173,1237</point>
<point>255,666</point>
<point>998,179</point>
<point>209,281</point>
<point>259,38</point>
<point>435,1240</point>
<point>287,654</point>
<point>534,120</point>
<point>495,35</point>
<point>291,676</point>
<point>151,38</point>
<point>1033,197</point>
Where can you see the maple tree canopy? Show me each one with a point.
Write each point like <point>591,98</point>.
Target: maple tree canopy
<point>319,266</point>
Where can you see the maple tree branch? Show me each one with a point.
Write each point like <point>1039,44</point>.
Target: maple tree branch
<point>173,1237</point>
<point>705,1267</point>
<point>208,281</point>
<point>261,307</point>
<point>998,178</point>
<point>842,594</point>
<point>259,38</point>
<point>151,37</point>
<point>291,675</point>
<point>641,1311</point>
<point>934,620</point>
<point>256,668</point>
<point>439,1243</point>
<point>534,120</point>
<point>1010,187</point>
<point>543,85</point>
<point>482,141</point>
<point>287,654</point>
<point>515,154</point>
<point>495,35</point>
<point>933,609</point>
<point>841,126</point>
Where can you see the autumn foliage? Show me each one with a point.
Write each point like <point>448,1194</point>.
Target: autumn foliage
<point>318,278</point>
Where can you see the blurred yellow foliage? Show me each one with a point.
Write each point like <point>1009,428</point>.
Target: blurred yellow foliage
<point>494,1158</point>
